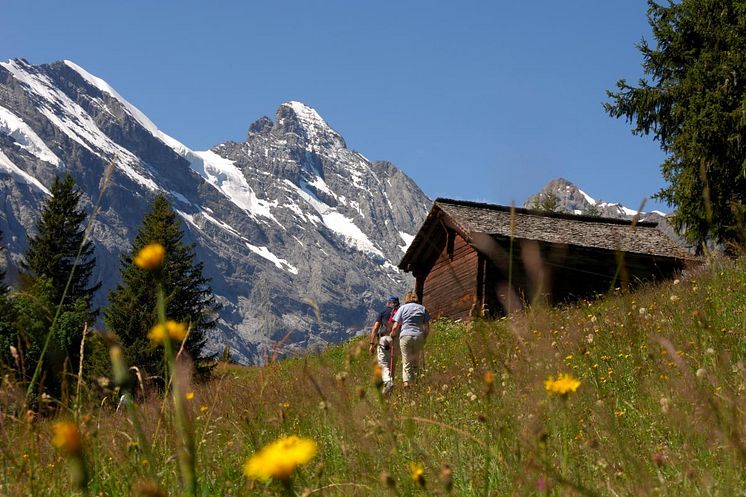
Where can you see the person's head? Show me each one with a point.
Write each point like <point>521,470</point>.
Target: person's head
<point>410,297</point>
<point>393,301</point>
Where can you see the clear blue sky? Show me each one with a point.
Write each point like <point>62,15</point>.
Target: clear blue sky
<point>484,101</point>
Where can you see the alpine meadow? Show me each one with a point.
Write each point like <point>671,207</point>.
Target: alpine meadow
<point>183,322</point>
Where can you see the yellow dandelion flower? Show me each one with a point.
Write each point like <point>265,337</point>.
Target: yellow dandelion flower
<point>189,395</point>
<point>279,459</point>
<point>563,385</point>
<point>172,329</point>
<point>150,256</point>
<point>417,471</point>
<point>203,408</point>
<point>66,437</point>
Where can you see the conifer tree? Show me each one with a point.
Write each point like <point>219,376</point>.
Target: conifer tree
<point>132,304</point>
<point>694,105</point>
<point>58,257</point>
<point>7,318</point>
<point>60,235</point>
<point>546,201</point>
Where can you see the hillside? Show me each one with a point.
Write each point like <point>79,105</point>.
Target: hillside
<point>659,410</point>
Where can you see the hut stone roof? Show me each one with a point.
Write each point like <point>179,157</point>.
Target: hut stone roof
<point>584,231</point>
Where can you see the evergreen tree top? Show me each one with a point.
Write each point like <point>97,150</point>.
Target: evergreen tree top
<point>693,104</point>
<point>59,247</point>
<point>189,299</point>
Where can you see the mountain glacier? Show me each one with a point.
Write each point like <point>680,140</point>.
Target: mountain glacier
<point>299,234</point>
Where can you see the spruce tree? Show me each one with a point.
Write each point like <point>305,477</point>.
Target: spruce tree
<point>60,235</point>
<point>57,253</point>
<point>694,105</point>
<point>132,304</point>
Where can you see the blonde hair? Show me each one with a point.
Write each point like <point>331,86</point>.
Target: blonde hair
<point>410,297</point>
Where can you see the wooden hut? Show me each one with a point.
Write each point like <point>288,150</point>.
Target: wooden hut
<point>472,259</point>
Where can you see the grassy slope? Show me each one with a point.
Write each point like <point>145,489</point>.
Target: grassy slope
<point>659,410</point>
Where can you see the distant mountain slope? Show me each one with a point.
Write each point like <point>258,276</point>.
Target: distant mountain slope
<point>299,234</point>
<point>573,200</point>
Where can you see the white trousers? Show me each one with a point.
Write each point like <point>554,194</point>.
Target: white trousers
<point>385,359</point>
<point>412,353</point>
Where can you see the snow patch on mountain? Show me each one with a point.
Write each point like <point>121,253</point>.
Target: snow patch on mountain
<point>588,198</point>
<point>7,165</point>
<point>266,254</point>
<point>263,252</point>
<point>338,222</point>
<point>624,210</point>
<point>407,241</point>
<point>25,137</point>
<point>223,174</point>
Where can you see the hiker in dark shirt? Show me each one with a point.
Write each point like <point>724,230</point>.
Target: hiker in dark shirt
<point>383,345</point>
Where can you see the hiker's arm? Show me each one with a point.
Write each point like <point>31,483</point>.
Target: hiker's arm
<point>395,329</point>
<point>374,336</point>
<point>426,328</point>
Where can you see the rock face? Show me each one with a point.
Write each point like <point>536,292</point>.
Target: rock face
<point>299,234</point>
<point>572,200</point>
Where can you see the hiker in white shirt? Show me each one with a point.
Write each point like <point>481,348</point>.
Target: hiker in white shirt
<point>411,325</point>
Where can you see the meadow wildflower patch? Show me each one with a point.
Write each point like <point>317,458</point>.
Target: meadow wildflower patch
<point>656,410</point>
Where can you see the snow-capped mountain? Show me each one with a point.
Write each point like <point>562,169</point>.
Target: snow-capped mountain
<point>572,200</point>
<point>299,234</point>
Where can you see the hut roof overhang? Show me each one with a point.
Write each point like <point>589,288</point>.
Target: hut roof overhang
<point>473,220</point>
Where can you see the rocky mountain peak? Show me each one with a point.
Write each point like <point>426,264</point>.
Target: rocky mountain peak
<point>261,126</point>
<point>299,119</point>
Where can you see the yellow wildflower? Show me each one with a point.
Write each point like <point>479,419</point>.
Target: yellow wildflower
<point>279,459</point>
<point>66,437</point>
<point>150,256</point>
<point>417,471</point>
<point>172,329</point>
<point>189,395</point>
<point>563,385</point>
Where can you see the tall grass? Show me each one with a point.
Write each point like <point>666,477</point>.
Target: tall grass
<point>660,411</point>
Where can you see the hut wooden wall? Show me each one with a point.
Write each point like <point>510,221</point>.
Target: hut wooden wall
<point>450,287</point>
